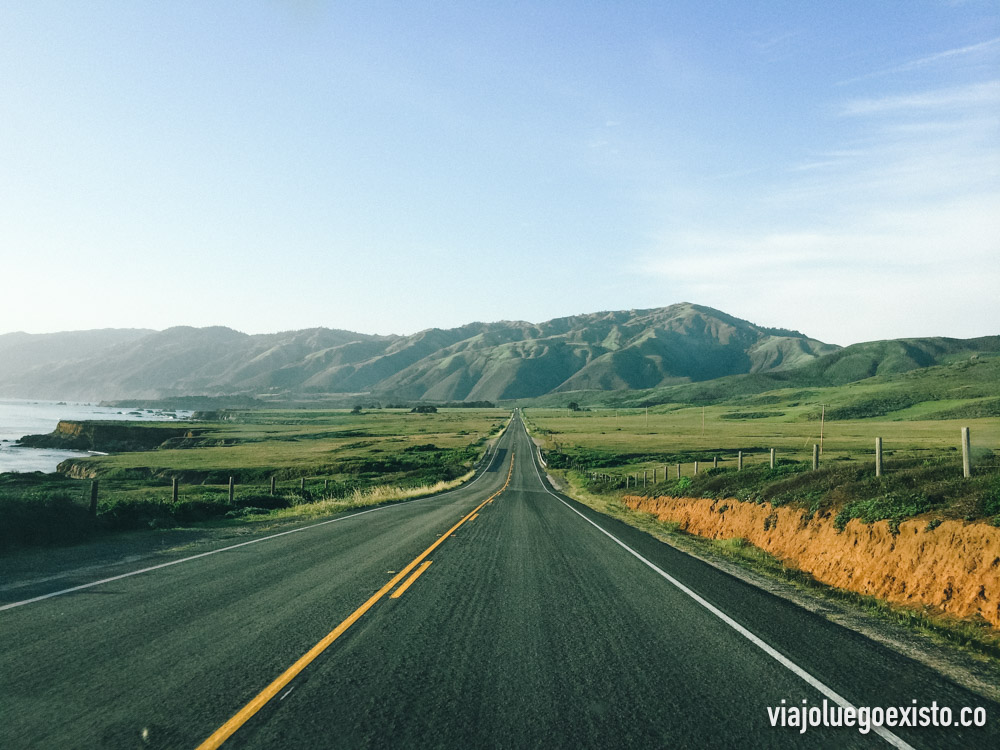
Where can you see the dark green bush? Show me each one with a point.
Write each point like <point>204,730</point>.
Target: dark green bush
<point>892,506</point>
<point>248,510</point>
<point>41,518</point>
<point>258,500</point>
<point>991,498</point>
<point>134,513</point>
<point>194,511</point>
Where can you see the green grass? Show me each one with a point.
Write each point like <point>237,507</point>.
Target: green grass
<point>346,460</point>
<point>921,451</point>
<point>677,433</point>
<point>252,446</point>
<point>847,489</point>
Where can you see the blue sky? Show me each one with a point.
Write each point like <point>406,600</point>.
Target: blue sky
<point>832,167</point>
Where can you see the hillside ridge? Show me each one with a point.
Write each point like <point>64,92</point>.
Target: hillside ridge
<point>678,346</point>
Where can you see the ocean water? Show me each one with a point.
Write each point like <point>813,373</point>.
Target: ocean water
<point>19,418</point>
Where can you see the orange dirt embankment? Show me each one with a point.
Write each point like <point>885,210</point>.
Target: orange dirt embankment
<point>954,567</point>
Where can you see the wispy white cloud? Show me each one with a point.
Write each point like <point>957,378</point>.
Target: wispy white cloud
<point>949,55</point>
<point>894,231</point>
<point>886,274</point>
<point>969,96</point>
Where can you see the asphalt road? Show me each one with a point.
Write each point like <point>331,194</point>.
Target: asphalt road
<point>537,624</point>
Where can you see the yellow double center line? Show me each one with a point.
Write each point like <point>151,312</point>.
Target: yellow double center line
<point>224,732</point>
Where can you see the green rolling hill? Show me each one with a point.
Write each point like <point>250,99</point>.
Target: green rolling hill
<point>683,352</point>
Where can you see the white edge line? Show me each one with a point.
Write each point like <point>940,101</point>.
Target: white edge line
<point>884,733</point>
<point>12,605</point>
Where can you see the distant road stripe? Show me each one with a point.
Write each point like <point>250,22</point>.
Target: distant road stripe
<point>884,733</point>
<point>474,517</point>
<point>241,544</point>
<point>227,730</point>
<point>409,581</point>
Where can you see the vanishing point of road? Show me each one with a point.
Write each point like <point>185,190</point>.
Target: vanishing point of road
<point>501,614</point>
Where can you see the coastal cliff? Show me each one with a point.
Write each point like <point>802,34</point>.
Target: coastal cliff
<point>107,437</point>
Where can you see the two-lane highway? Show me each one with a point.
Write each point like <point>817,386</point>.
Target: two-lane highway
<point>498,615</point>
<point>163,657</point>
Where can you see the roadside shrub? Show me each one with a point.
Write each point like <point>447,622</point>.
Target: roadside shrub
<point>249,510</point>
<point>991,499</point>
<point>260,501</point>
<point>891,506</point>
<point>841,519</point>
<point>39,518</point>
<point>193,511</point>
<point>299,497</point>
<point>135,513</point>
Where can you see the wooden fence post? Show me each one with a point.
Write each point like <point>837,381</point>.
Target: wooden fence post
<point>966,450</point>
<point>696,468</point>
<point>815,456</point>
<point>232,490</point>
<point>93,498</point>
<point>878,456</point>
<point>173,489</point>
<point>644,479</point>
<point>272,485</point>
<point>739,461</point>
<point>678,471</point>
<point>772,458</point>
<point>715,462</point>
<point>302,484</point>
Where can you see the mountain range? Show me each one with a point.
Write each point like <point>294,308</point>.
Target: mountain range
<point>606,351</point>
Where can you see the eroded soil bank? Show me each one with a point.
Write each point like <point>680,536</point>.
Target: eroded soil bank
<point>954,567</point>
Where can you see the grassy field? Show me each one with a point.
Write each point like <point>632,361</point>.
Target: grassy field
<point>323,461</point>
<point>922,460</point>
<point>689,433</point>
<point>252,446</point>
